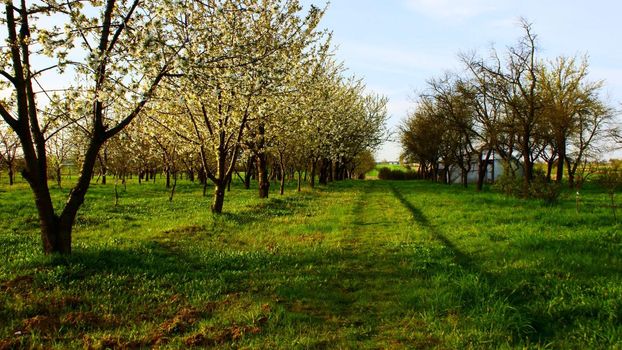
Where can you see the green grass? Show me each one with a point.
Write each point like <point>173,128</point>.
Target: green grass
<point>357,264</point>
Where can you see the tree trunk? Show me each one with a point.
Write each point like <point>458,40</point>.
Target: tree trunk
<point>312,176</point>
<point>571,172</point>
<point>299,180</point>
<point>103,161</point>
<point>528,175</point>
<point>11,176</point>
<point>104,173</point>
<point>262,175</point>
<point>168,177</point>
<point>549,168</point>
<point>58,176</point>
<point>248,174</point>
<point>170,198</point>
<point>560,163</point>
<point>282,185</point>
<point>219,198</point>
<point>324,172</point>
<point>482,168</point>
<point>527,163</point>
<point>53,240</point>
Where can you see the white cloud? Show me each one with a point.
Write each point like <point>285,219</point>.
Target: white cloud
<point>453,9</point>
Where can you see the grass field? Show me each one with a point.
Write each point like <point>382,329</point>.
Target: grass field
<point>357,264</point>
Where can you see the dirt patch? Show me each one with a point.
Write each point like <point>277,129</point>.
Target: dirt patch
<point>198,339</point>
<point>19,285</point>
<point>41,324</point>
<point>83,320</point>
<point>214,336</point>
<point>185,230</point>
<point>8,344</point>
<point>181,322</point>
<point>311,238</point>
<point>114,342</point>
<point>55,306</point>
<point>68,302</point>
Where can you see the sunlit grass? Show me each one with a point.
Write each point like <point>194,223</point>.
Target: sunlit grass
<point>357,264</point>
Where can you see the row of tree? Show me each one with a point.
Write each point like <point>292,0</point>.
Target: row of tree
<point>514,106</point>
<point>201,87</point>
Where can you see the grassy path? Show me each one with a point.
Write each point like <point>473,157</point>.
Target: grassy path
<point>357,265</point>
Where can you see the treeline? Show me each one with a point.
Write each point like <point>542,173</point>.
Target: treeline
<point>205,88</point>
<point>512,106</point>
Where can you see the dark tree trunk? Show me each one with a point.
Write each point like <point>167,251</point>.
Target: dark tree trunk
<point>168,177</point>
<point>248,173</point>
<point>170,198</point>
<point>11,176</point>
<point>299,180</point>
<point>282,184</point>
<point>53,240</point>
<point>56,230</point>
<point>549,168</point>
<point>571,172</point>
<point>58,177</point>
<point>527,163</point>
<point>262,175</point>
<point>312,176</point>
<point>560,164</point>
<point>220,180</point>
<point>202,176</point>
<point>103,163</point>
<point>219,198</point>
<point>324,172</point>
<point>482,168</point>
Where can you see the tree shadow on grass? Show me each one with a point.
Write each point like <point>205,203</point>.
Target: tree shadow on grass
<point>461,258</point>
<point>554,292</point>
<point>272,207</point>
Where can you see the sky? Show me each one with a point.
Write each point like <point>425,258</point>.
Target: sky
<point>396,45</point>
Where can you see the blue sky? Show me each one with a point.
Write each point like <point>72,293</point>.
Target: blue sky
<point>396,45</point>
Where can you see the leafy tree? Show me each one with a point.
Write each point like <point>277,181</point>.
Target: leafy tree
<point>9,145</point>
<point>567,101</point>
<point>363,163</point>
<point>123,57</point>
<point>237,59</point>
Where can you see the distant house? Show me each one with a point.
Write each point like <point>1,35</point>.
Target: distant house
<point>494,170</point>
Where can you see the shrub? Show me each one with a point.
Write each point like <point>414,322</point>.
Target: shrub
<point>542,189</point>
<point>539,188</point>
<point>611,180</point>
<point>509,185</point>
<point>396,174</point>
